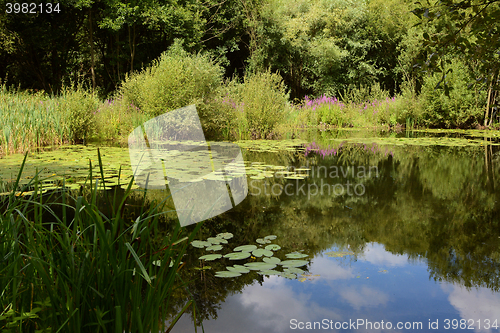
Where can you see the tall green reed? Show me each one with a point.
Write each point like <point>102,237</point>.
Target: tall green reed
<point>82,270</point>
<point>29,120</point>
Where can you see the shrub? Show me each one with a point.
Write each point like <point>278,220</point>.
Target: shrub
<point>80,106</point>
<point>175,80</point>
<point>116,119</point>
<point>264,100</point>
<point>461,108</point>
<point>223,116</point>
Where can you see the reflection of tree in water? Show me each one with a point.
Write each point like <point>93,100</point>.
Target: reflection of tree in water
<point>432,203</point>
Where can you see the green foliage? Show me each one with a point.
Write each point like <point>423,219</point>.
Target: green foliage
<point>30,120</point>
<point>264,99</point>
<point>84,270</point>
<point>175,80</point>
<point>364,107</point>
<point>223,116</point>
<point>461,107</point>
<point>323,47</point>
<point>115,120</point>
<point>80,105</point>
<point>468,28</point>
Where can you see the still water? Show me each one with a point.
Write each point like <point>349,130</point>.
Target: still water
<point>399,236</point>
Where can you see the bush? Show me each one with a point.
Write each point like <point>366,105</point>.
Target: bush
<point>264,101</point>
<point>223,116</point>
<point>80,106</point>
<point>175,80</point>
<point>116,119</point>
<point>461,108</point>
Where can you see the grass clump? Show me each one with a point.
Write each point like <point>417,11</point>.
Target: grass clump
<point>82,270</point>
<point>115,120</point>
<point>29,120</point>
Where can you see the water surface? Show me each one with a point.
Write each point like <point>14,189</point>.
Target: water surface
<point>420,234</point>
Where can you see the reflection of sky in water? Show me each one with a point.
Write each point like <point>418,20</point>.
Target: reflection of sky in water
<point>378,286</point>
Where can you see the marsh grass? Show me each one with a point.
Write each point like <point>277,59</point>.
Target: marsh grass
<point>90,272</point>
<point>30,120</point>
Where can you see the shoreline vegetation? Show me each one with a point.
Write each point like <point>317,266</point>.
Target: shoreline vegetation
<point>256,106</point>
<point>70,265</point>
<point>93,71</point>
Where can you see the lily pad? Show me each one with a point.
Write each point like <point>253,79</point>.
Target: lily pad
<point>269,272</point>
<point>294,270</point>
<point>225,235</point>
<point>237,255</point>
<point>210,257</point>
<point>294,263</point>
<point>296,255</point>
<point>260,266</point>
<point>200,244</point>
<point>271,260</point>
<point>245,248</point>
<point>271,237</point>
<point>288,275</point>
<point>214,248</point>
<point>238,268</point>
<point>273,247</point>
<point>262,252</point>
<point>262,241</point>
<point>295,177</point>
<point>215,240</point>
<point>227,274</point>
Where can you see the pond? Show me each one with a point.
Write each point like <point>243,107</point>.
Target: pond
<point>341,231</point>
<point>413,244</point>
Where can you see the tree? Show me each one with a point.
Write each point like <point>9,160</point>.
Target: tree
<point>468,28</point>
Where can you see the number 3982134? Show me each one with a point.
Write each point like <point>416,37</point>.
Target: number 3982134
<point>31,8</point>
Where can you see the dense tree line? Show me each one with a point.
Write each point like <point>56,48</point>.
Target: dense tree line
<point>318,46</point>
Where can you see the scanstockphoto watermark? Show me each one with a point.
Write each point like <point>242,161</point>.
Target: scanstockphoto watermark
<point>311,190</point>
<point>358,324</point>
<point>336,171</point>
<point>323,187</point>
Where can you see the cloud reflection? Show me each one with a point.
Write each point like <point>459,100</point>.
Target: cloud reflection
<point>376,254</point>
<point>479,305</point>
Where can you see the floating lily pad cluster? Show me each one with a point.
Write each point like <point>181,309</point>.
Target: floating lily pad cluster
<point>271,146</point>
<point>260,171</point>
<point>265,250</point>
<point>70,164</point>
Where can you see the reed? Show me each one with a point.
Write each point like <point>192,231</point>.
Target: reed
<point>82,270</point>
<point>30,120</point>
